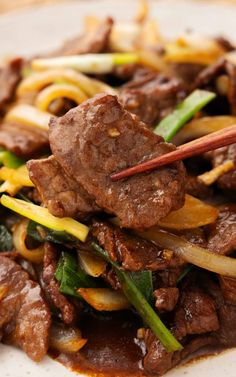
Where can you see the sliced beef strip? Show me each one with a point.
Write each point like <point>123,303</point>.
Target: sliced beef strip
<point>25,318</point>
<point>187,72</point>
<point>222,234</point>
<point>158,361</point>
<point>60,301</point>
<point>98,138</point>
<point>228,287</point>
<point>195,322</point>
<point>225,43</point>
<point>133,252</point>
<point>24,141</point>
<point>166,298</point>
<point>61,194</point>
<point>207,77</point>
<point>94,42</point>
<point>151,96</point>
<point>197,188</point>
<point>196,313</point>
<point>218,157</point>
<point>10,76</point>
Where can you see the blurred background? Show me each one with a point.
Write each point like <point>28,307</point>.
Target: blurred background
<point>9,5</point>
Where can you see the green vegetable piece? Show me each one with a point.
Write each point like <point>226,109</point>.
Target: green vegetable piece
<point>42,234</point>
<point>6,243</point>
<point>144,309</point>
<point>10,160</point>
<point>184,273</point>
<point>71,276</point>
<point>171,124</point>
<point>143,281</point>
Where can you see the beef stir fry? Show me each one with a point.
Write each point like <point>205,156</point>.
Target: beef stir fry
<point>129,277</point>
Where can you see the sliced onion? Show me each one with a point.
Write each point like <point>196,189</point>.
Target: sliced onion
<point>66,339</point>
<point>104,299</point>
<point>211,176</point>
<point>203,126</point>
<point>55,91</point>
<point>194,254</point>
<point>40,80</point>
<point>29,116</point>
<point>18,176</point>
<point>19,238</point>
<point>193,214</point>
<point>92,264</point>
<point>11,188</point>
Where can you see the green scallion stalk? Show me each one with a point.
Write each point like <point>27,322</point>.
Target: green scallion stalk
<point>144,309</point>
<point>171,124</point>
<point>10,160</point>
<point>87,63</point>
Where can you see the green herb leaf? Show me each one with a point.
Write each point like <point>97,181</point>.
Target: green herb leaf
<point>143,281</point>
<point>42,234</point>
<point>171,124</point>
<point>10,160</point>
<point>71,276</point>
<point>6,243</point>
<point>142,306</point>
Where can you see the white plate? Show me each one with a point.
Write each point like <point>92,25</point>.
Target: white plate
<point>43,28</point>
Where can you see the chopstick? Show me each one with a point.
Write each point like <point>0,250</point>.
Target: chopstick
<point>204,144</point>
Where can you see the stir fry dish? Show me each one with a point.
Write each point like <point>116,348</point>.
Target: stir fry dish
<point>118,277</point>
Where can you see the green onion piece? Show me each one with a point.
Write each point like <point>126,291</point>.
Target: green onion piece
<point>42,234</point>
<point>10,160</point>
<point>184,273</point>
<point>171,124</point>
<point>144,309</point>
<point>6,243</point>
<point>143,281</point>
<point>44,217</point>
<point>87,63</point>
<point>71,276</point>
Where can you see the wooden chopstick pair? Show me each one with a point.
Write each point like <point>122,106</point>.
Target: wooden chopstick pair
<point>204,144</point>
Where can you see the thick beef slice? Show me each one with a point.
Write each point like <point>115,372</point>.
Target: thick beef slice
<point>133,252</point>
<point>207,78</point>
<point>24,141</point>
<point>151,96</point>
<point>197,188</point>
<point>24,314</point>
<point>228,287</point>
<point>219,156</point>
<point>187,71</point>
<point>158,361</point>
<point>166,298</point>
<point>10,76</point>
<point>60,301</point>
<point>222,234</point>
<point>94,42</point>
<point>196,314</point>
<point>62,195</point>
<point>98,138</point>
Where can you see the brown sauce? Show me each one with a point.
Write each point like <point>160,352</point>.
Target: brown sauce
<point>112,348</point>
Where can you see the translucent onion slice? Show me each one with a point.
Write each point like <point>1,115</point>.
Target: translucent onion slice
<point>29,115</point>
<point>92,264</point>
<point>44,217</point>
<point>193,48</point>
<point>18,176</point>
<point>193,214</point>
<point>87,63</point>
<point>211,176</point>
<point>203,126</point>
<point>66,339</point>
<point>11,188</point>
<point>55,91</point>
<point>104,299</point>
<point>19,238</point>
<point>194,254</point>
<point>39,80</point>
